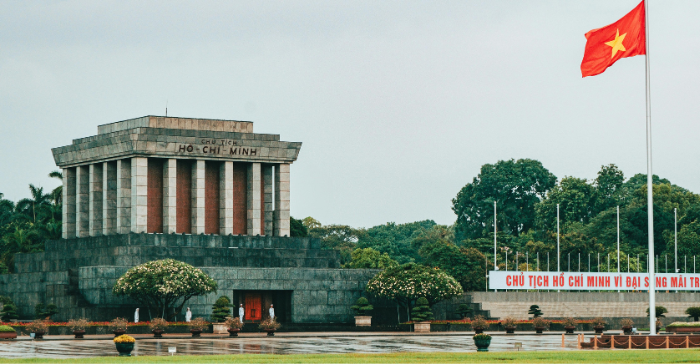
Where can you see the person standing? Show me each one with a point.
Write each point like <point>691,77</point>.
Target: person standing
<point>241,312</point>
<point>272,311</point>
<point>136,316</point>
<point>188,315</point>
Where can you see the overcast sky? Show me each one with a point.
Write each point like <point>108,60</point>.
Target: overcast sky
<point>398,103</point>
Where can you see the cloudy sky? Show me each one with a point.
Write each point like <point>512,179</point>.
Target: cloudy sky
<point>398,103</point>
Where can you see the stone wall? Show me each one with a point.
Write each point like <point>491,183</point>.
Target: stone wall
<point>318,295</point>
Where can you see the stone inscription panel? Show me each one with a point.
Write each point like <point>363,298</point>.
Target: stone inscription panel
<point>213,147</point>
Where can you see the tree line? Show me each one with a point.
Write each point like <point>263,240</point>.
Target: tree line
<point>526,196</point>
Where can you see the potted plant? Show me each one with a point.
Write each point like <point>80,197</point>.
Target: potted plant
<point>421,315</point>
<point>7,332</point>
<point>509,324</point>
<point>269,325</point>
<point>464,311</point>
<point>118,326</point>
<point>362,310</point>
<point>482,342</point>
<point>78,327</point>
<point>479,324</point>
<point>626,325</point>
<point>540,324</point>
<point>124,344</point>
<point>598,325</point>
<point>693,312</point>
<point>197,326</point>
<point>219,311</point>
<point>233,326</point>
<point>38,328</point>
<point>569,325</point>
<point>157,326</point>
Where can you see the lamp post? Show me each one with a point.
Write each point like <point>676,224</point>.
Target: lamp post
<point>558,255</point>
<point>495,254</point>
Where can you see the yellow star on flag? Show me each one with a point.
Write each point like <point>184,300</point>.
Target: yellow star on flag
<point>616,43</point>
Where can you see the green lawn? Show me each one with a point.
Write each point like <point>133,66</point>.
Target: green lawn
<point>588,356</point>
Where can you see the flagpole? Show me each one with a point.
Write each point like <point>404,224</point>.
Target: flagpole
<point>650,195</point>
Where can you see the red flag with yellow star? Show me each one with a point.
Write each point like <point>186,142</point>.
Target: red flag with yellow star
<point>622,39</point>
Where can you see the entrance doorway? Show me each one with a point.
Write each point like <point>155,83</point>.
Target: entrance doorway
<point>253,306</point>
<point>257,305</point>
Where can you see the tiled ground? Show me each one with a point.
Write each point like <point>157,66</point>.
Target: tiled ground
<point>279,345</point>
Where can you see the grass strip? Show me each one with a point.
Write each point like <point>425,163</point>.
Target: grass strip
<point>587,356</point>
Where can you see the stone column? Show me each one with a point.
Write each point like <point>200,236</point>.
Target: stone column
<point>139,194</point>
<point>169,196</point>
<point>109,198</point>
<point>226,198</point>
<point>123,196</point>
<point>82,201</point>
<point>198,170</point>
<point>96,192</point>
<point>254,201</point>
<point>268,214</point>
<point>68,203</point>
<point>282,200</point>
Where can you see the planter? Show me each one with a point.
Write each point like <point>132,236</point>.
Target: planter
<point>157,333</point>
<point>79,334</point>
<point>363,320</point>
<point>479,331</point>
<point>196,333</point>
<point>118,333</point>
<point>682,329</point>
<point>627,330</point>
<point>219,328</point>
<point>482,344</point>
<point>569,329</point>
<point>39,335</point>
<point>8,335</point>
<point>599,329</point>
<point>539,329</point>
<point>421,327</point>
<point>510,330</point>
<point>270,332</point>
<point>233,332</point>
<point>124,349</point>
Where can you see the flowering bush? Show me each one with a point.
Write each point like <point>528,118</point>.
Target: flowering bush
<point>118,323</point>
<point>479,323</point>
<point>164,286</point>
<point>233,323</point>
<point>408,282</point>
<point>198,324</point>
<point>158,324</point>
<point>569,322</point>
<point>508,322</point>
<point>539,322</point>
<point>598,322</point>
<point>269,324</point>
<point>37,326</point>
<point>124,339</point>
<point>482,337</point>
<point>626,322</point>
<point>77,325</point>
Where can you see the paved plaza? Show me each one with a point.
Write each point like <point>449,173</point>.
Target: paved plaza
<point>282,344</point>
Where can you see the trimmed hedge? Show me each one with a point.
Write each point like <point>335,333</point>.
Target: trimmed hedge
<point>5,328</point>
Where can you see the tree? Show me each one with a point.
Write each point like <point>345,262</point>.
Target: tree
<point>297,229</point>
<point>576,199</point>
<point>466,265</point>
<point>362,307</point>
<point>369,258</point>
<point>311,223</point>
<point>693,312</point>
<point>221,309</point>
<point>9,309</point>
<point>57,193</point>
<point>516,186</point>
<point>609,188</point>
<point>397,240</point>
<point>660,311</point>
<point>164,286</point>
<point>422,311</point>
<point>406,283</point>
<point>339,237</point>
<point>535,311</point>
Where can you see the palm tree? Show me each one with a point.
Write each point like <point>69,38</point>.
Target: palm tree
<point>7,211</point>
<point>57,193</point>
<point>31,207</point>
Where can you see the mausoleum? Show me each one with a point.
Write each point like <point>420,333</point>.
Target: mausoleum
<point>207,192</point>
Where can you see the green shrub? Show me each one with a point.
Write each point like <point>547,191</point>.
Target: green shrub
<point>42,311</point>
<point>464,310</point>
<point>693,312</point>
<point>362,307</point>
<point>422,311</point>
<point>5,328</point>
<point>660,311</point>
<point>9,312</point>
<point>535,311</point>
<point>221,309</point>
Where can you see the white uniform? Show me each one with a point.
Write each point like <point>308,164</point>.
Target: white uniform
<point>272,312</point>
<point>188,315</point>
<point>241,313</point>
<point>136,315</point>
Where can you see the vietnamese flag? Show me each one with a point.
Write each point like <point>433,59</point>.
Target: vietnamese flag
<point>624,38</point>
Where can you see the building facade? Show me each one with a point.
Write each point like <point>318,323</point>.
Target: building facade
<point>210,193</point>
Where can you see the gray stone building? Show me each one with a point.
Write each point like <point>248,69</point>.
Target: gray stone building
<point>207,192</point>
